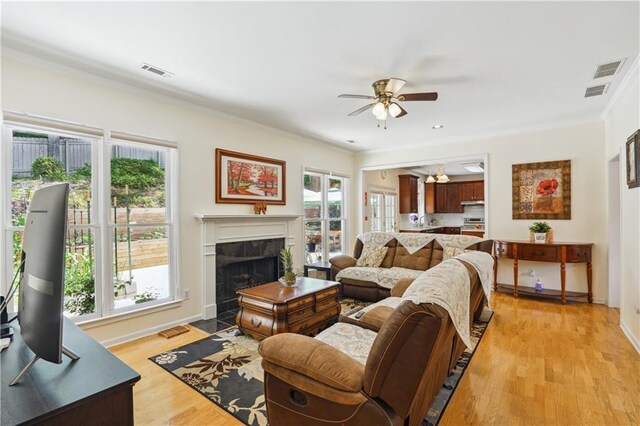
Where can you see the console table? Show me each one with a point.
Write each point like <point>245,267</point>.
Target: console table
<point>97,388</point>
<point>557,252</point>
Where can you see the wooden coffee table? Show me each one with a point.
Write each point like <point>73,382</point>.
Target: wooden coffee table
<point>272,308</point>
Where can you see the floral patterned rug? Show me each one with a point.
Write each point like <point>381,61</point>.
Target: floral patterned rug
<point>225,368</point>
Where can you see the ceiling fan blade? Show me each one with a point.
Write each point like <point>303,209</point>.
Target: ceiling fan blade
<point>357,96</point>
<point>394,85</point>
<point>403,112</point>
<point>361,110</point>
<point>430,96</point>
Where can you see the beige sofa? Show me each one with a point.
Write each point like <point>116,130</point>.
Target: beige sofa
<point>396,256</point>
<point>390,364</point>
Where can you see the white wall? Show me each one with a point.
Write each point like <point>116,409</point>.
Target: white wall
<point>583,145</point>
<point>70,95</point>
<point>621,122</point>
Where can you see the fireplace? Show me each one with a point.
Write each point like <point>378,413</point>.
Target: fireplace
<point>241,251</point>
<point>245,264</point>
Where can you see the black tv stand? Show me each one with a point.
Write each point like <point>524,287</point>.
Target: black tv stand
<point>96,388</point>
<point>68,352</point>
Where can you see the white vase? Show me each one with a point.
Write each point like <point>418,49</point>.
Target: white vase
<point>540,237</point>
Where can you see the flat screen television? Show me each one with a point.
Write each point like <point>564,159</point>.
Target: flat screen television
<point>41,293</point>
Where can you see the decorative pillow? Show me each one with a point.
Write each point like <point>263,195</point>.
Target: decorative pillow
<point>372,256</point>
<point>449,252</point>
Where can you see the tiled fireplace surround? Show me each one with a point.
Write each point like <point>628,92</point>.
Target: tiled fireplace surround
<point>240,251</point>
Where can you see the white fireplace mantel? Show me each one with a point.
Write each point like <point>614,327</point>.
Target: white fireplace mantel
<point>218,229</point>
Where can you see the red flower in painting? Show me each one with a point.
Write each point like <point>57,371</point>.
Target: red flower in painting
<point>547,187</point>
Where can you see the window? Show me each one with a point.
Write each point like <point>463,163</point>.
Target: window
<point>325,214</point>
<point>383,211</point>
<point>120,239</point>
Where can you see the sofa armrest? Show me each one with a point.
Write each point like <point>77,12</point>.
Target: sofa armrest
<point>342,261</point>
<point>401,286</point>
<point>314,359</point>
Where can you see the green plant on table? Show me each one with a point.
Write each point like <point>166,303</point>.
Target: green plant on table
<point>287,263</point>
<point>540,227</point>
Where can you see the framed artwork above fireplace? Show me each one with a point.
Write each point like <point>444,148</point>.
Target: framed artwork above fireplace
<point>248,179</point>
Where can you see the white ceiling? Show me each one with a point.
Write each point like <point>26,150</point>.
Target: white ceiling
<point>499,67</point>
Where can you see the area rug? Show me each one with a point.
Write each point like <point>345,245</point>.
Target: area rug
<point>226,369</point>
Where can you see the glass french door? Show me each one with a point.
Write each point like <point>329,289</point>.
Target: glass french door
<point>325,215</point>
<point>382,211</point>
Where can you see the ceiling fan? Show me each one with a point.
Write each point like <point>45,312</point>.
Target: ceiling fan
<point>387,98</point>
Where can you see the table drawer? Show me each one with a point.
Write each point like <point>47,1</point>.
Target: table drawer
<point>310,322</point>
<point>307,300</point>
<point>323,304</point>
<point>300,314</point>
<point>503,249</point>
<point>327,293</point>
<point>540,253</point>
<point>254,321</point>
<point>578,254</point>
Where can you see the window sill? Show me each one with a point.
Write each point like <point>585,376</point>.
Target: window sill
<point>99,322</point>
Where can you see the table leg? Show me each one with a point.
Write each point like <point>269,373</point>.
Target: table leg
<point>495,273</point>
<point>563,282</point>
<point>589,283</point>
<point>515,277</point>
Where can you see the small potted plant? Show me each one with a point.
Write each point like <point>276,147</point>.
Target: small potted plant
<point>312,240</point>
<point>540,230</point>
<point>289,279</point>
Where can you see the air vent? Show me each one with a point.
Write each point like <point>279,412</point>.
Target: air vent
<point>596,90</point>
<point>156,70</point>
<point>605,70</point>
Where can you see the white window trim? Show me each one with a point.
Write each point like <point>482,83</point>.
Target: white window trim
<point>384,191</point>
<point>327,174</point>
<point>101,227</point>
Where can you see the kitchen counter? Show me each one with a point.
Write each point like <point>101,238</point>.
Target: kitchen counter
<point>428,229</point>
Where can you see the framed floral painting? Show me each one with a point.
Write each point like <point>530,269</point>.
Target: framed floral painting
<point>633,161</point>
<point>248,179</point>
<point>541,190</point>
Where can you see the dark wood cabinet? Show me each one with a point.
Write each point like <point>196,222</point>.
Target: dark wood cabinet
<point>408,197</point>
<point>441,197</point>
<point>452,230</point>
<point>429,198</point>
<point>454,198</point>
<point>473,191</point>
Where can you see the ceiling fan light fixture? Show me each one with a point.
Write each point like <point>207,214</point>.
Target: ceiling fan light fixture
<point>394,109</point>
<point>382,115</point>
<point>378,109</point>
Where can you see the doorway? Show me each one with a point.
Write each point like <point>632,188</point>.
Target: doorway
<point>613,296</point>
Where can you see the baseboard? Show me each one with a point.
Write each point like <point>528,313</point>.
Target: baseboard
<point>631,337</point>
<point>148,331</point>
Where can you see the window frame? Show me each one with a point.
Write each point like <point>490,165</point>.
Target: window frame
<point>385,193</point>
<point>101,143</point>
<point>325,219</point>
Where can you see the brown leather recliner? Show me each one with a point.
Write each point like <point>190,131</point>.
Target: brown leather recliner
<point>310,382</point>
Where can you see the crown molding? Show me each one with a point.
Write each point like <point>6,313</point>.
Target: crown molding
<point>69,65</point>
<point>622,87</point>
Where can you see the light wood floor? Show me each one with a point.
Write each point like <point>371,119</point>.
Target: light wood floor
<point>538,363</point>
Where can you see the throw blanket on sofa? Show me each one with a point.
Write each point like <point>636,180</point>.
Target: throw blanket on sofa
<point>446,285</point>
<point>483,263</point>
<point>414,241</point>
<point>384,277</point>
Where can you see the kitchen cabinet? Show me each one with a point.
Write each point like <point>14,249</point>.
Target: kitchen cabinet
<point>454,198</point>
<point>408,197</point>
<point>473,191</point>
<point>441,197</point>
<point>429,198</point>
<point>452,230</point>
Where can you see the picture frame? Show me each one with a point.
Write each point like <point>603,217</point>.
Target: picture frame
<point>632,149</point>
<point>541,190</point>
<point>248,179</point>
